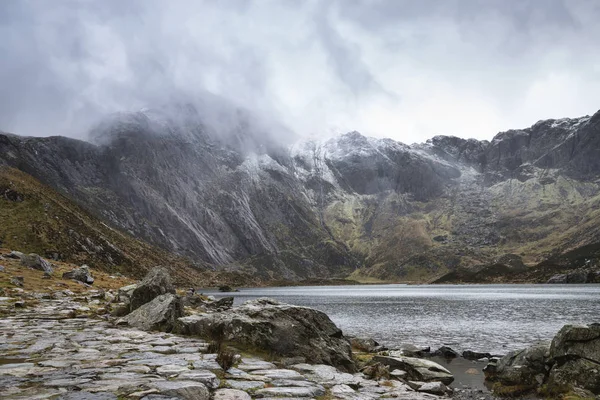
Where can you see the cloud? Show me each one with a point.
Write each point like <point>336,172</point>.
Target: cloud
<point>389,68</point>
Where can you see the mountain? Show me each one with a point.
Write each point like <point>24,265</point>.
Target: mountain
<point>37,219</point>
<point>350,205</point>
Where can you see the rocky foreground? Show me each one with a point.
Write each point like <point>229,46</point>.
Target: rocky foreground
<point>149,341</point>
<point>63,345</point>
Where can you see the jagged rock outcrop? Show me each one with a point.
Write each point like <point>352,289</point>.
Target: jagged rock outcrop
<point>418,369</point>
<point>272,326</point>
<point>161,313</point>
<point>81,274</point>
<point>570,362</point>
<point>36,262</point>
<point>326,208</point>
<point>157,282</point>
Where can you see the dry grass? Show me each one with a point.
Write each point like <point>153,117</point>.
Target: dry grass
<point>33,279</point>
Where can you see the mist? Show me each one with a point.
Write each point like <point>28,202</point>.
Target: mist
<point>406,70</point>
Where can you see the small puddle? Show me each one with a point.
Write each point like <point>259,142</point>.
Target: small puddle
<point>467,373</point>
<point>12,360</point>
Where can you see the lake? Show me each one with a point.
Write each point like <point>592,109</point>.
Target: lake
<point>487,318</point>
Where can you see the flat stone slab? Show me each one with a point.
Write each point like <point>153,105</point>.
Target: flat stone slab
<point>171,369</point>
<point>292,391</point>
<point>231,394</point>
<point>206,377</point>
<point>245,385</point>
<point>187,390</point>
<point>279,373</point>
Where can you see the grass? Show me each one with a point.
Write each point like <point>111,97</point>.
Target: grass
<point>33,279</point>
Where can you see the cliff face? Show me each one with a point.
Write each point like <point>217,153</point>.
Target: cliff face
<point>351,204</point>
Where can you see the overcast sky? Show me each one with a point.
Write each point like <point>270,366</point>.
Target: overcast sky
<point>408,70</point>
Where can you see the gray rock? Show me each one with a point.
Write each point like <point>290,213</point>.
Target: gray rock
<point>81,395</point>
<point>576,341</point>
<point>36,262</point>
<point>291,391</point>
<point>245,385</point>
<point>367,345</point>
<point>17,281</point>
<point>17,255</point>
<point>185,390</point>
<point>437,388</point>
<point>575,357</point>
<point>81,274</point>
<point>206,377</point>
<point>280,328</point>
<point>521,367</point>
<point>418,369</point>
<point>576,373</point>
<point>159,314</point>
<point>157,282</point>
<point>475,355</point>
<point>231,394</point>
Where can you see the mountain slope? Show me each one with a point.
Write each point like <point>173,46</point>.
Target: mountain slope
<point>37,219</point>
<point>347,205</point>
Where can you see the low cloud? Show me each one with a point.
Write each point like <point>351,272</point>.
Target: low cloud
<point>402,69</point>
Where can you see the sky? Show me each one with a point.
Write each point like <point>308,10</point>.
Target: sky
<point>407,70</point>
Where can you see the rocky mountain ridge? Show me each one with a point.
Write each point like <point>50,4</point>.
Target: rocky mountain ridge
<point>349,205</point>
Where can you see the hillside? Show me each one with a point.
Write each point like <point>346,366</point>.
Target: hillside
<point>36,219</point>
<point>372,209</point>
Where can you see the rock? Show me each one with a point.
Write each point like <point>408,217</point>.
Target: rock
<point>446,352</point>
<point>283,329</point>
<point>17,255</point>
<point>81,274</point>
<point>227,288</point>
<point>170,369</point>
<point>185,390</point>
<point>418,369</point>
<point>19,304</point>
<point>36,262</point>
<point>125,292</point>
<point>313,391</point>
<point>377,371</point>
<point>576,341</point>
<point>399,374</point>
<point>231,394</point>
<point>474,355</point>
<point>366,345</point>
<point>558,279</point>
<point>523,367</point>
<point>575,358</point>
<point>409,350</point>
<point>209,379</point>
<point>437,388</point>
<point>159,314</point>
<point>17,281</point>
<point>580,372</point>
<point>222,304</point>
<point>157,282</point>
<point>2,268</point>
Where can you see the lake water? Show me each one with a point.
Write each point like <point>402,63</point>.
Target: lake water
<point>488,318</point>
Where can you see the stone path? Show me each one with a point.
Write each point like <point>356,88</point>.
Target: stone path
<point>56,350</point>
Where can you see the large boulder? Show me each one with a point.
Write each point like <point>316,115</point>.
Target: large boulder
<point>575,358</point>
<point>154,284</point>
<point>160,314</point>
<point>81,274</point>
<point>522,367</point>
<point>282,329</point>
<point>36,262</point>
<point>417,368</point>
